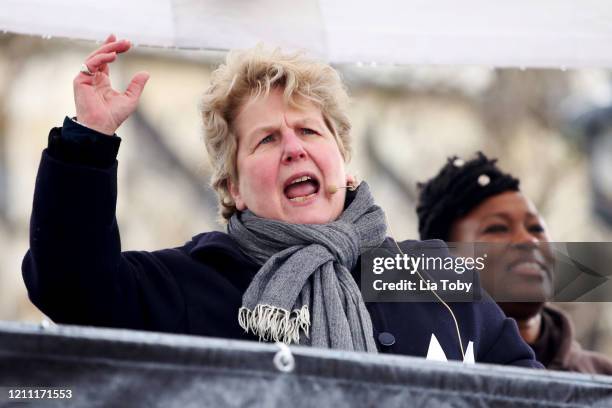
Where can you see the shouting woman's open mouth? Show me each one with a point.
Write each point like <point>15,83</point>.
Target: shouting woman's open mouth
<point>301,187</point>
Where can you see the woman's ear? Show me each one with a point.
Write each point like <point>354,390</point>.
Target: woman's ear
<point>235,193</point>
<point>351,180</point>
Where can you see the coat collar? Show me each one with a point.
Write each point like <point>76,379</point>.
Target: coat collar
<point>217,242</point>
<point>560,328</point>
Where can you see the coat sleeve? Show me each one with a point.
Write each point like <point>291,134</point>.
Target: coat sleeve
<point>500,334</point>
<point>510,349</point>
<point>74,270</point>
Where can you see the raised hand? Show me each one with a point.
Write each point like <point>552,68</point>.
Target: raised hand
<point>98,105</point>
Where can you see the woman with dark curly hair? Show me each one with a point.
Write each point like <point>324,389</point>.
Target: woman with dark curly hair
<point>476,202</point>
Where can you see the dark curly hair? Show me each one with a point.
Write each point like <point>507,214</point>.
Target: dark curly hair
<point>456,190</point>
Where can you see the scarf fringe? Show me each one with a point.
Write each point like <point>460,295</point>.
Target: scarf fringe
<point>274,323</point>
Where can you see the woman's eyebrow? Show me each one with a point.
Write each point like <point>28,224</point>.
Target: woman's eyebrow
<point>261,129</point>
<point>507,217</point>
<point>503,215</point>
<point>251,138</point>
<point>308,121</point>
<point>532,215</point>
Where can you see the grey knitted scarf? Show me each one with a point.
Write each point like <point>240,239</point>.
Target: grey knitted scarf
<point>304,285</point>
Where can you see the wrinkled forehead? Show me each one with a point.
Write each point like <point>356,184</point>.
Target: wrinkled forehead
<point>268,110</point>
<point>276,97</point>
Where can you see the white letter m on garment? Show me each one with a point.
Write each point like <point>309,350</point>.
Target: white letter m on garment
<point>436,353</point>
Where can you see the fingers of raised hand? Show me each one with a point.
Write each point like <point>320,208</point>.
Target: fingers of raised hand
<point>111,45</point>
<point>98,63</point>
<point>136,85</point>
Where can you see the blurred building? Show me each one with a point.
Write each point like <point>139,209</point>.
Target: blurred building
<point>406,121</point>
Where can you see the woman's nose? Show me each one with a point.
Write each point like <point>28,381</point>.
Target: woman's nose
<point>523,237</point>
<point>293,147</point>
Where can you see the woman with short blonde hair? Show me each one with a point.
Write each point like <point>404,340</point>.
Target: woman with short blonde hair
<point>254,73</point>
<point>287,269</point>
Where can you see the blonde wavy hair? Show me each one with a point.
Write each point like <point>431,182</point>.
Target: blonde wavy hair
<point>251,74</point>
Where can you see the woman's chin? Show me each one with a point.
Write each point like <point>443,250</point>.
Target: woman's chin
<point>522,293</point>
<point>521,310</point>
<point>312,210</point>
<point>310,214</point>
<point>308,217</point>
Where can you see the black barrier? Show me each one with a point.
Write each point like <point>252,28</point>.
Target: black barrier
<point>123,368</point>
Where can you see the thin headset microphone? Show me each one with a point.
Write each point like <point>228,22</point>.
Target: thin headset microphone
<point>435,293</point>
<point>333,189</point>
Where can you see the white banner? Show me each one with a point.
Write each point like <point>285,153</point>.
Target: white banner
<point>521,33</point>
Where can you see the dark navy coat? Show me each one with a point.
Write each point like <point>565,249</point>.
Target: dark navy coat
<point>76,273</point>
